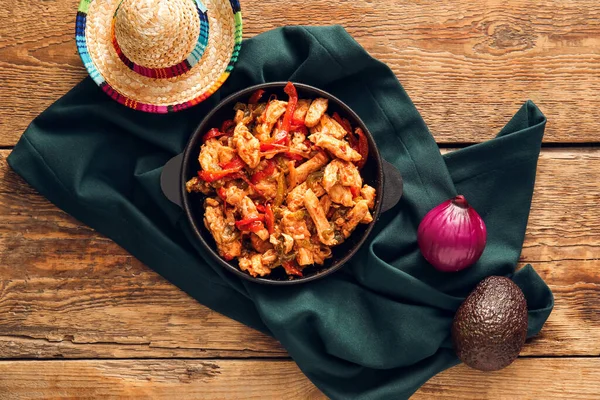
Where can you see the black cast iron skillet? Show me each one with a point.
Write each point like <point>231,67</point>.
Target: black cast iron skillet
<point>378,173</point>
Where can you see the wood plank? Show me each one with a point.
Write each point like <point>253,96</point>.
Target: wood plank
<point>527,378</point>
<point>156,379</point>
<point>467,66</point>
<point>565,378</point>
<point>66,291</point>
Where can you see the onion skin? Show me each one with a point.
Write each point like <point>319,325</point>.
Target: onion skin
<point>452,236</point>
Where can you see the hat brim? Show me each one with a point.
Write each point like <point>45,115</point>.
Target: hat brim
<point>134,90</point>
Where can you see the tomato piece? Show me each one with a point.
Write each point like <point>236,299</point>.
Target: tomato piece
<point>256,96</point>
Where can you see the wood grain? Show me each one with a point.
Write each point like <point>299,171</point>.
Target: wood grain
<point>68,292</point>
<point>567,378</point>
<point>468,66</point>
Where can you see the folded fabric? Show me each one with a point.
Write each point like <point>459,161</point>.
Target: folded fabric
<point>378,328</point>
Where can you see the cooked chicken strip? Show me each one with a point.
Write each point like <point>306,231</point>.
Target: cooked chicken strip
<point>269,257</point>
<point>315,112</point>
<point>295,227</point>
<point>275,110</point>
<point>354,216</point>
<point>298,142</point>
<point>310,166</point>
<point>209,155</point>
<point>254,265</point>
<point>305,257</point>
<point>341,195</point>
<point>301,109</point>
<point>339,148</point>
<point>325,203</point>
<point>367,219</point>
<point>349,175</point>
<point>223,230</point>
<point>324,229</point>
<point>331,174</point>
<point>295,199</point>
<point>235,195</point>
<point>226,154</point>
<point>329,126</point>
<point>247,146</point>
<point>368,193</point>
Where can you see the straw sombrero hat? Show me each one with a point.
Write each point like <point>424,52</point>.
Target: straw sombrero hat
<point>159,55</point>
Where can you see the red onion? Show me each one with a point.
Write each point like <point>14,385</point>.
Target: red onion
<point>452,236</point>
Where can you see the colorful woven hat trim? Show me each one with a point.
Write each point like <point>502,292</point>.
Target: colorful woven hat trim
<point>80,39</point>
<point>175,70</point>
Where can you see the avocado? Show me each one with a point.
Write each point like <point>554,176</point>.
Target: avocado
<point>490,326</point>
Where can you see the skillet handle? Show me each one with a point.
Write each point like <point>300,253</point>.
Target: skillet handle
<point>170,180</point>
<point>392,186</point>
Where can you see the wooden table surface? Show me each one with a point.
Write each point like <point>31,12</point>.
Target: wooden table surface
<point>80,317</point>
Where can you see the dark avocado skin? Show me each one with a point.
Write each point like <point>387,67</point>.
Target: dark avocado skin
<point>490,327</point>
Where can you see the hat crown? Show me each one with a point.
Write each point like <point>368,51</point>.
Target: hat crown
<point>157,33</point>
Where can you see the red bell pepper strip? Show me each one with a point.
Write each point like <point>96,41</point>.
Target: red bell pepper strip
<point>254,227</point>
<point>363,148</point>
<point>272,146</point>
<point>266,172</point>
<point>251,224</point>
<point>214,133</point>
<point>290,90</point>
<point>248,221</point>
<point>261,208</point>
<point>235,163</point>
<point>269,218</point>
<point>355,191</point>
<point>298,122</point>
<point>291,268</point>
<point>256,96</point>
<point>227,126</point>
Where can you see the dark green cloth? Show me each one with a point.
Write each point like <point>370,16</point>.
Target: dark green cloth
<point>380,327</point>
